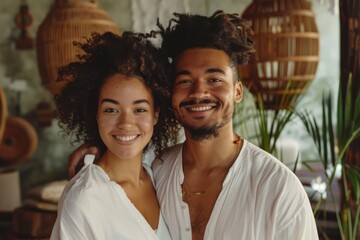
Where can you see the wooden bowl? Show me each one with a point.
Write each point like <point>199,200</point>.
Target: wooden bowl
<point>19,141</point>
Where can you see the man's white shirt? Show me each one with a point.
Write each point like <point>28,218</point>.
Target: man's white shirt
<point>261,198</point>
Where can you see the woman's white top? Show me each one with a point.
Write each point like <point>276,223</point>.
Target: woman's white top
<point>94,207</point>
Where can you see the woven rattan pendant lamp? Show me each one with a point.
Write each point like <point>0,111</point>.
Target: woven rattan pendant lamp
<point>287,45</point>
<point>66,22</point>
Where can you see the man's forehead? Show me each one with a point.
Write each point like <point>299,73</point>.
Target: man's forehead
<point>199,57</point>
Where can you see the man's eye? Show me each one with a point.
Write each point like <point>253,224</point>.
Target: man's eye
<point>214,80</point>
<point>141,110</point>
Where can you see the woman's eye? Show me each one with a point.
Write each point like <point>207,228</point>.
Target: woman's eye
<point>110,110</point>
<point>183,81</point>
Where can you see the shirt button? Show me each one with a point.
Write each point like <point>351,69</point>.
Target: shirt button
<point>183,206</point>
<point>187,229</point>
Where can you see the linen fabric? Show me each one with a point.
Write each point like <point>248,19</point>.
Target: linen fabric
<point>94,207</point>
<point>261,198</point>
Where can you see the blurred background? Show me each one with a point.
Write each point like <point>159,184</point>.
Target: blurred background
<point>26,96</point>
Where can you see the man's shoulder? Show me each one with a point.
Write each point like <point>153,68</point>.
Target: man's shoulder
<point>268,167</point>
<point>262,158</point>
<point>167,159</point>
<point>175,148</point>
<point>168,156</point>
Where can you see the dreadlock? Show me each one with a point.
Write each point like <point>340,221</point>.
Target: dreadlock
<point>227,32</point>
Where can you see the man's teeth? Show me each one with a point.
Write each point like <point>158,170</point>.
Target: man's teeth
<point>198,109</point>
<point>126,138</point>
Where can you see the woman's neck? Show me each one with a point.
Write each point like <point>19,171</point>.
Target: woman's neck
<point>122,170</point>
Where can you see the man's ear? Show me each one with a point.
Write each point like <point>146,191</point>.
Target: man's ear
<point>238,92</point>
<point>156,115</point>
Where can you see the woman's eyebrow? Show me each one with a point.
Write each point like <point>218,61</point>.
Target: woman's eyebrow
<point>109,100</point>
<point>142,101</point>
<point>116,102</point>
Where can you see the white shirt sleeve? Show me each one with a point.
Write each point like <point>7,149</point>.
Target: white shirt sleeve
<point>301,227</point>
<point>74,222</point>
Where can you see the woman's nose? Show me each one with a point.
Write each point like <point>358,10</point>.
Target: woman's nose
<point>124,119</point>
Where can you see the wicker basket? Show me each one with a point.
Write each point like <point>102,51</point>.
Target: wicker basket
<point>67,21</point>
<point>287,45</point>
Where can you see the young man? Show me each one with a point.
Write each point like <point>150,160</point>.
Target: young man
<point>217,185</point>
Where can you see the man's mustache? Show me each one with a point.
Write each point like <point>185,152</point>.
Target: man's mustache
<point>193,102</point>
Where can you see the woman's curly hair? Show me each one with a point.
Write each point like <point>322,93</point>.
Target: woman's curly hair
<point>222,31</point>
<point>104,56</point>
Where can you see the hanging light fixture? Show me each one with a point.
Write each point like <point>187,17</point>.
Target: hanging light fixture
<point>287,46</point>
<point>67,21</point>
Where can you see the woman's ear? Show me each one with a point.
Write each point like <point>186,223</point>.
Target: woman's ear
<point>156,115</point>
<point>238,94</point>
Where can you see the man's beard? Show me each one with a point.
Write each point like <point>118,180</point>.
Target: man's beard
<point>207,132</point>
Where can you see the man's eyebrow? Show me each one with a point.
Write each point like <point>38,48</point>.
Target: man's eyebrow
<point>215,70</point>
<point>184,72</point>
<point>210,70</point>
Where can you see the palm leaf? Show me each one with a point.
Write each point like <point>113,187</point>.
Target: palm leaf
<point>356,121</point>
<point>353,175</point>
<point>340,114</point>
<point>331,132</point>
<point>313,129</point>
<point>325,129</point>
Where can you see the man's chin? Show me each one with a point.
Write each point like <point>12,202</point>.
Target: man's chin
<point>202,133</point>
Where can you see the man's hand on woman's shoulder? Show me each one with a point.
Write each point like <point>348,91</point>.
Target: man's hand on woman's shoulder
<point>76,158</point>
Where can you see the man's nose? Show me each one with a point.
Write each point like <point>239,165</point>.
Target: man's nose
<point>199,90</point>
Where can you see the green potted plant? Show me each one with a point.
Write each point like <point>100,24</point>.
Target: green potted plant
<point>333,147</point>
<point>266,125</point>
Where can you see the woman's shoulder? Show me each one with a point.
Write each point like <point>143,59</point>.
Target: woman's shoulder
<point>88,181</point>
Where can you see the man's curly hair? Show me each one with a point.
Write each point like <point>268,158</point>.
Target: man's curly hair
<point>104,56</point>
<point>222,31</point>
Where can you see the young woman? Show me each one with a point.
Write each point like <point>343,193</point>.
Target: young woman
<point>117,99</point>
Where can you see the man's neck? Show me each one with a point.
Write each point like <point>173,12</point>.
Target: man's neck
<point>205,166</point>
<point>210,153</point>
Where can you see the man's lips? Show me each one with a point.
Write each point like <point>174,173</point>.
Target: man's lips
<point>200,108</point>
<point>202,105</point>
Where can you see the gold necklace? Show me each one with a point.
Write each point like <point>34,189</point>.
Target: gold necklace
<point>199,193</point>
